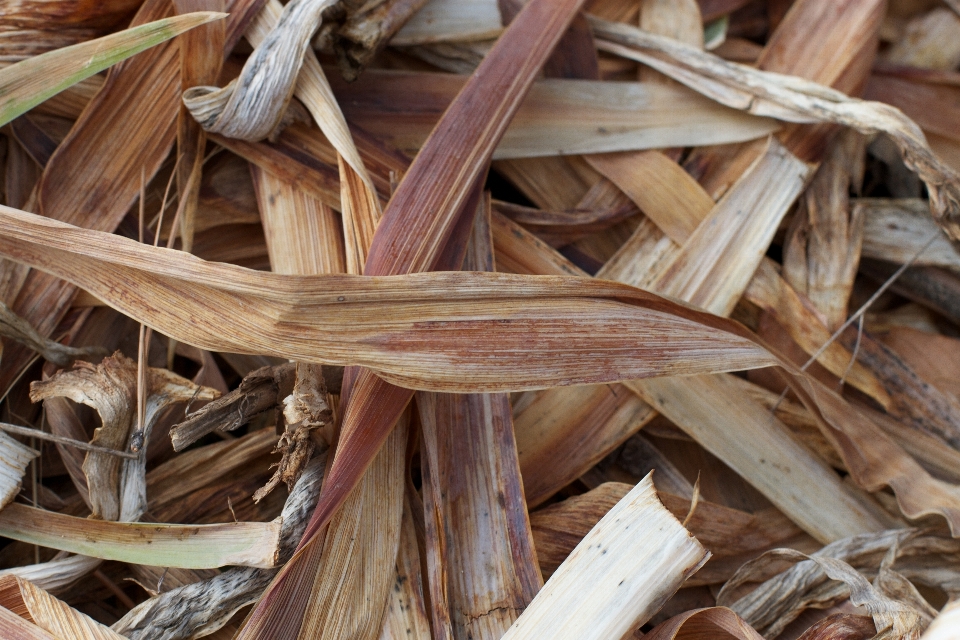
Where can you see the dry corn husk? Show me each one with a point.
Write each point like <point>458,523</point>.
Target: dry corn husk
<point>252,107</point>
<point>793,100</point>
<point>34,605</point>
<point>627,576</point>
<point>250,544</point>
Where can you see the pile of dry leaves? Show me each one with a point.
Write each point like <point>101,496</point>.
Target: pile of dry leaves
<point>480,319</point>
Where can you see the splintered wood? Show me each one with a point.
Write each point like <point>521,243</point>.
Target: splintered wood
<point>480,319</point>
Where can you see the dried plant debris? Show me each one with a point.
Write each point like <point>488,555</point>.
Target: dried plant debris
<point>117,487</point>
<point>203,607</point>
<point>16,328</point>
<point>259,391</point>
<point>253,106</point>
<point>530,253</point>
<point>304,412</point>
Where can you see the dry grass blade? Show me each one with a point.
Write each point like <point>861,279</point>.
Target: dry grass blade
<point>28,83</point>
<point>628,575</point>
<point>791,99</point>
<point>866,450</point>
<point>250,544</point>
<point>315,306</point>
<point>558,116</point>
<point>673,235</point>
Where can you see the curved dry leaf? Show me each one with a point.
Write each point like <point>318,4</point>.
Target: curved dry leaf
<point>16,328</point>
<point>924,556</point>
<point>110,388</point>
<point>252,106</point>
<point>447,331</point>
<point>791,99</point>
<point>117,487</point>
<point>704,623</point>
<point>841,626</point>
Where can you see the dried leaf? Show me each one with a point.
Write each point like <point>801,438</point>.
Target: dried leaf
<point>791,99</point>
<point>252,106</point>
<point>559,116</point>
<point>313,303</point>
<point>30,82</point>
<point>699,623</point>
<point>54,616</point>
<point>628,576</point>
<point>251,544</point>
<point>118,489</point>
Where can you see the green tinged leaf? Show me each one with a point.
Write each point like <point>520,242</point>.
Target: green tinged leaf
<point>26,84</point>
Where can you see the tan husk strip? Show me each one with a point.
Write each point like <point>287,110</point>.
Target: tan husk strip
<point>791,99</point>
<point>50,614</point>
<point>622,572</point>
<point>251,544</point>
